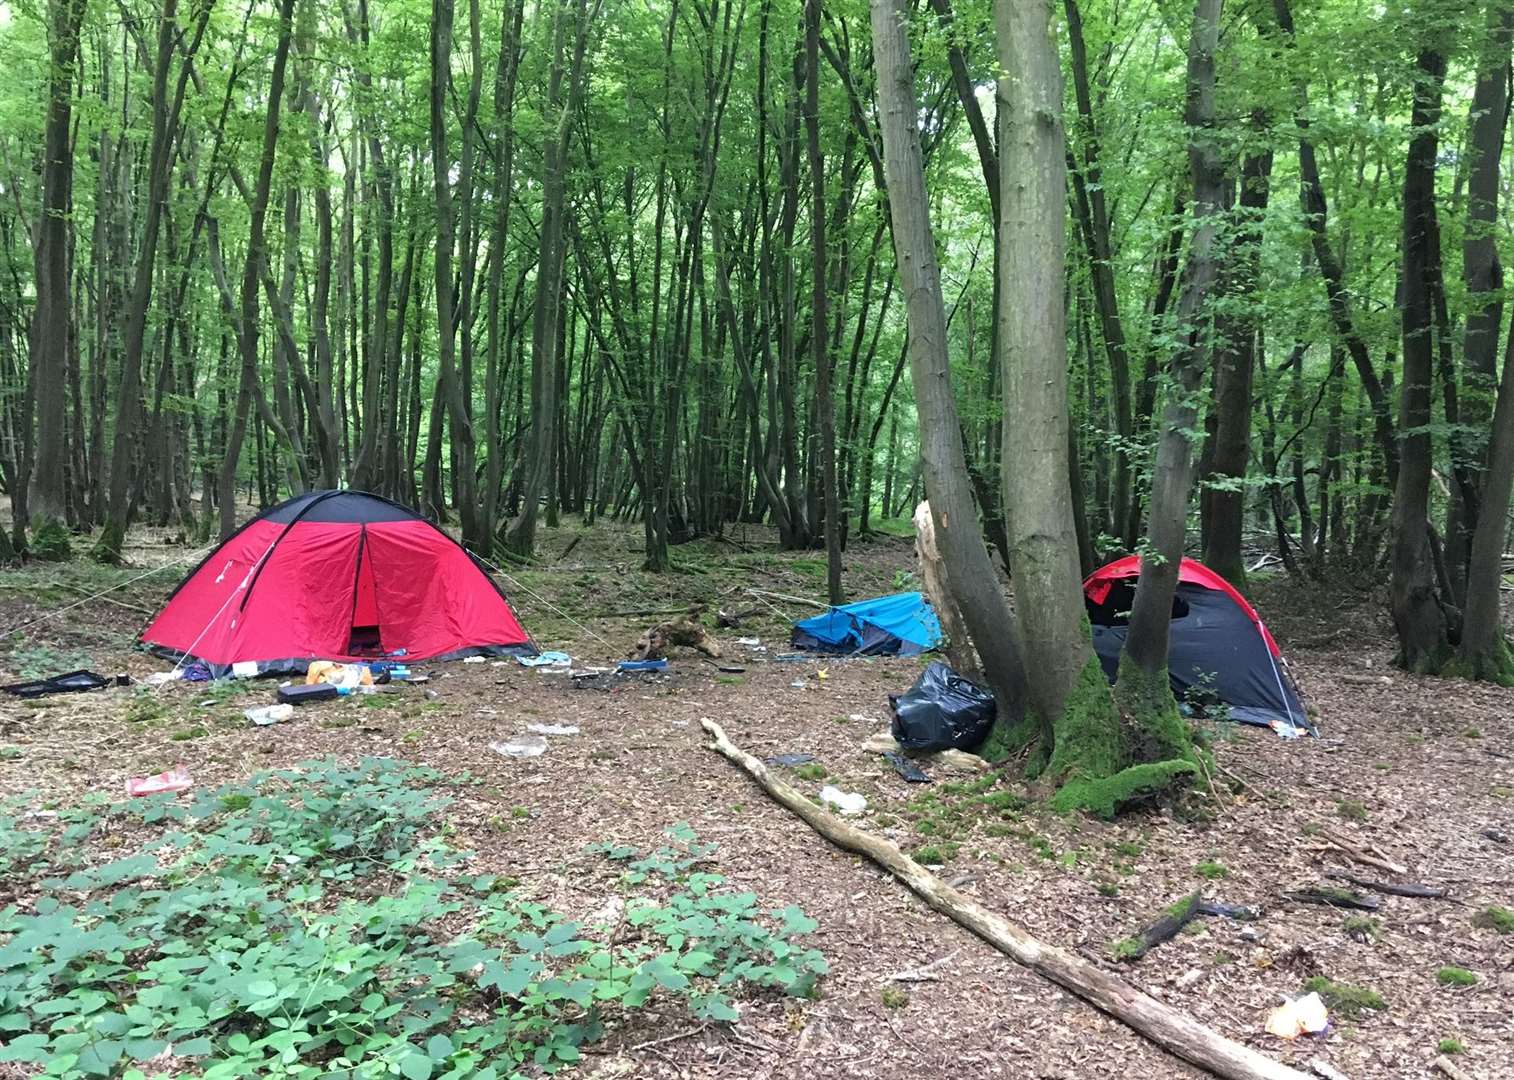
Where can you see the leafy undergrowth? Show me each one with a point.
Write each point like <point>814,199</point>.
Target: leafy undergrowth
<point>312,923</point>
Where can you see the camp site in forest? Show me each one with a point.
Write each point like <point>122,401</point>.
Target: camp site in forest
<point>783,539</point>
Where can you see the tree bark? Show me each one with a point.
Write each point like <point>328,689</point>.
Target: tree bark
<point>1418,612</point>
<point>52,318</point>
<point>960,539</point>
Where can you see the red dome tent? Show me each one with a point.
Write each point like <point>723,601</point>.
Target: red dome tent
<point>1217,645</point>
<point>335,575</point>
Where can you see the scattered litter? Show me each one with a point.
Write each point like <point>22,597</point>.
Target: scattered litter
<point>432,695</point>
<point>1298,1016</point>
<point>800,684</point>
<point>175,779</point>
<point>244,669</point>
<point>304,695</point>
<point>788,760</point>
<point>641,665</point>
<point>1238,912</point>
<point>72,682</point>
<point>207,703</point>
<point>1286,730</point>
<point>1498,836</point>
<point>822,674</point>
<point>727,669</point>
<point>906,768</point>
<point>860,719</point>
<point>521,746</point>
<point>749,642</point>
<point>473,659</point>
<point>546,659</point>
<point>553,729</point>
<point>847,802</point>
<point>159,678</point>
<point>196,671</point>
<point>499,663</point>
<point>942,711</point>
<point>345,676</point>
<point>269,714</point>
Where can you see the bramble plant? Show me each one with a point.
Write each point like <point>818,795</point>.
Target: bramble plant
<point>310,923</point>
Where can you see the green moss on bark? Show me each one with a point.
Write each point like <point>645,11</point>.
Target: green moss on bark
<point>8,553</point>
<point>1088,738</point>
<point>107,549</point>
<point>1156,729</point>
<point>1496,665</point>
<point>1105,797</point>
<point>50,541</point>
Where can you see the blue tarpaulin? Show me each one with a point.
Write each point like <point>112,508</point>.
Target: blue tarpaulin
<point>902,624</point>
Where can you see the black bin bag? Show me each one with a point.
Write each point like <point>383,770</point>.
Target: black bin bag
<point>942,711</point>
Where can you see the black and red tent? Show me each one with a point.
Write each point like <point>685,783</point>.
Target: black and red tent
<point>1218,645</point>
<point>335,575</point>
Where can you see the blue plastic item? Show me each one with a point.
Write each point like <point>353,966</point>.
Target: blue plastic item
<point>641,665</point>
<point>902,624</point>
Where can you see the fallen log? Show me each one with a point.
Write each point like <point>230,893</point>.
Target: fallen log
<point>1330,897</point>
<point>1167,1027</point>
<point>1166,928</point>
<point>1419,892</point>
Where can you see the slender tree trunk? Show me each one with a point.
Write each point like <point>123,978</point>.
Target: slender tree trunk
<point>247,329</point>
<point>1142,689</point>
<point>958,536</point>
<point>52,318</point>
<point>1419,614</point>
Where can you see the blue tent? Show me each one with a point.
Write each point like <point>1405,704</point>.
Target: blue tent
<point>902,624</point>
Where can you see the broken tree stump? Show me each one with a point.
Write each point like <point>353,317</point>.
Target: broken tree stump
<point>1172,1030</point>
<point>957,644</point>
<point>686,630</point>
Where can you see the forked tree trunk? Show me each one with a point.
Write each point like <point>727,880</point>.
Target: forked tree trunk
<point>958,535</point>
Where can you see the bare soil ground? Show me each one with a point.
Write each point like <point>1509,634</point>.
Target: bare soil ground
<point>1420,769</point>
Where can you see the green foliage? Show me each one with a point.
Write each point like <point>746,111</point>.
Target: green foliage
<point>1126,949</point>
<point>107,549</point>
<point>1495,917</point>
<point>1450,1045</point>
<point>306,924</point>
<point>811,770</point>
<point>1212,870</point>
<point>893,997</point>
<point>1362,928</point>
<point>1450,975</point>
<point>1105,797</point>
<point>1346,1000</point>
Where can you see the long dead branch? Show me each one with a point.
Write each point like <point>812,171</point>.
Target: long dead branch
<point>1170,1029</point>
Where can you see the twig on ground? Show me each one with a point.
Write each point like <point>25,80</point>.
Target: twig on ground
<point>675,1037</point>
<point>790,599</point>
<point>1421,892</point>
<point>923,973</point>
<point>1359,853</point>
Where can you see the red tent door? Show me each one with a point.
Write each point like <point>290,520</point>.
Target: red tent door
<point>367,638</point>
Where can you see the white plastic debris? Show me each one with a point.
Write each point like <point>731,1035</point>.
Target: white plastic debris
<point>158,678</point>
<point>859,718</point>
<point>847,802</point>
<point>800,684</point>
<point>1285,730</point>
<point>1298,1016</point>
<point>473,659</point>
<point>553,729</point>
<point>244,669</point>
<point>748,641</point>
<point>269,714</point>
<point>521,746</point>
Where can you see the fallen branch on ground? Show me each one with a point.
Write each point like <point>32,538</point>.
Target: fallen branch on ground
<point>1167,1027</point>
<point>923,973</point>
<point>790,599</point>
<point>1443,1063</point>
<point>1164,929</point>
<point>1338,898</point>
<point>1419,892</point>
<point>1360,854</point>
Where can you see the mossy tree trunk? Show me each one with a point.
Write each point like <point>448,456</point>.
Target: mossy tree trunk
<point>1142,689</point>
<point>1067,690</point>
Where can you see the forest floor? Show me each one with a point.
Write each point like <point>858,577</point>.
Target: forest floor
<point>1421,770</point>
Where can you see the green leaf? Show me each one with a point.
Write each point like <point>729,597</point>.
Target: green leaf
<point>262,988</point>
<point>440,1048</point>
<point>415,1066</point>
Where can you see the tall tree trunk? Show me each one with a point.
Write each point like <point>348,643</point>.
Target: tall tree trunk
<point>1142,689</point>
<point>820,327</point>
<point>1068,695</point>
<point>1419,614</point>
<point>1484,652</point>
<point>247,320</point>
<point>1225,492</point>
<point>52,318</point>
<point>970,575</point>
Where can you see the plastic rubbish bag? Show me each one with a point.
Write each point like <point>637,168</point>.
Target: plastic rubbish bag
<point>175,779</point>
<point>269,714</point>
<point>942,711</point>
<point>1298,1016</point>
<point>847,802</point>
